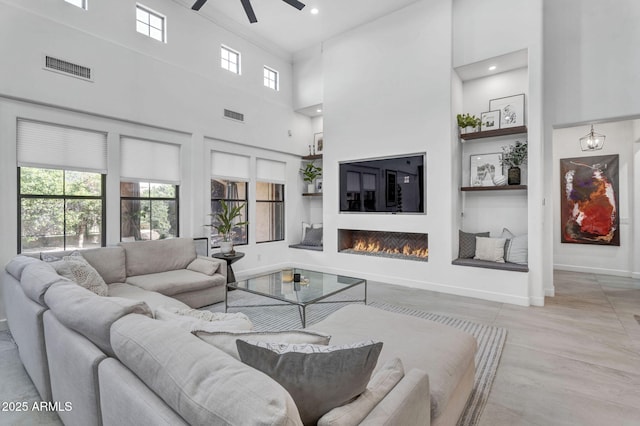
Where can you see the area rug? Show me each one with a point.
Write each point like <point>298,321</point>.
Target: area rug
<point>490,339</point>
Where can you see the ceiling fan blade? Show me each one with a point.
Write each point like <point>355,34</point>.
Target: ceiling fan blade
<point>295,3</point>
<point>249,11</point>
<point>198,4</point>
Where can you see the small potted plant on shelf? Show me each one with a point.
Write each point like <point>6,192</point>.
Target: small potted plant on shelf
<point>224,223</point>
<point>310,172</point>
<point>468,123</point>
<point>514,156</point>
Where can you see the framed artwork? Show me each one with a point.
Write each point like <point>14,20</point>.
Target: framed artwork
<point>486,169</point>
<point>318,143</point>
<point>511,110</point>
<point>490,120</point>
<point>589,200</point>
<point>318,184</point>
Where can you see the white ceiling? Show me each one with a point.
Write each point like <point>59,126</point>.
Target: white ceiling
<point>290,30</point>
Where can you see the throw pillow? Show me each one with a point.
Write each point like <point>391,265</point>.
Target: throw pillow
<point>195,320</point>
<point>203,266</point>
<point>318,378</point>
<point>353,413</point>
<point>467,243</point>
<point>491,249</point>
<point>516,250</point>
<point>313,237</point>
<point>306,226</point>
<point>226,340</point>
<point>85,275</point>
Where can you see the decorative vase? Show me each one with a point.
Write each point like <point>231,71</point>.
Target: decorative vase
<point>226,247</point>
<point>514,175</point>
<point>311,187</point>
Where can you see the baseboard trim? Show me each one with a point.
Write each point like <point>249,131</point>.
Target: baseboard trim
<point>549,292</point>
<point>4,325</point>
<point>635,275</point>
<point>599,271</point>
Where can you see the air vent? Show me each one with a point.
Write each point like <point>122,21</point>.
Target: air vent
<point>233,115</point>
<point>66,67</point>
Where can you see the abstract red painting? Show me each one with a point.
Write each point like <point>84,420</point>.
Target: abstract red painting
<point>589,200</point>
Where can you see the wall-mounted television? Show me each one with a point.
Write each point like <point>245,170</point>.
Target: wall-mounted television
<point>383,185</point>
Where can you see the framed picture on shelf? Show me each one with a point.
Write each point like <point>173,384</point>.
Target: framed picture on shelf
<point>490,120</point>
<point>318,143</point>
<point>511,110</point>
<point>319,185</point>
<point>486,170</point>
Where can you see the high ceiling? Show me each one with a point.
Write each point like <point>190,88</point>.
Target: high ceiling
<point>290,30</point>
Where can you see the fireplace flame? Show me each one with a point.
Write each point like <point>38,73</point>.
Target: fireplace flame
<point>373,246</point>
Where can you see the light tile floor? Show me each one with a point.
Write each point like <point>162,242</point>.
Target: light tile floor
<point>575,361</point>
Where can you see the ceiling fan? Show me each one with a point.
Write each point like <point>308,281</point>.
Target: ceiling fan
<point>248,9</point>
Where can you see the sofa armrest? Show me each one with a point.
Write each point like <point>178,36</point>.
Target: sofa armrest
<point>405,404</point>
<point>222,265</point>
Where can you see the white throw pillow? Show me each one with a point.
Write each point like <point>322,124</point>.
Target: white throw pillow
<point>516,249</point>
<point>195,320</point>
<point>83,274</point>
<point>491,249</point>
<point>226,340</point>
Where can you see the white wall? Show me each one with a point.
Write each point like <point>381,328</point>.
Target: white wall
<point>308,77</point>
<point>616,260</point>
<point>589,70</point>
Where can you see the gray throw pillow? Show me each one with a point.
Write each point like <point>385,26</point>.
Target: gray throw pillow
<point>313,237</point>
<point>318,378</point>
<point>516,249</point>
<point>467,244</point>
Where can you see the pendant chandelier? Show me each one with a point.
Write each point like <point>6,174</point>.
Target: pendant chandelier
<point>592,141</point>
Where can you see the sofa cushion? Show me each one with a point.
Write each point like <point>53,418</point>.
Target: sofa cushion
<point>415,345</point>
<point>318,378</point>
<point>353,413</point>
<point>85,275</point>
<point>89,314</point>
<point>198,381</point>
<point>467,243</point>
<point>153,299</point>
<point>37,278</point>
<point>193,319</point>
<point>16,265</point>
<point>149,257</point>
<point>203,265</point>
<point>226,340</point>
<point>178,281</point>
<point>109,262</point>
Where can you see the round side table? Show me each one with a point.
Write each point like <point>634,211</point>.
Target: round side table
<point>231,277</point>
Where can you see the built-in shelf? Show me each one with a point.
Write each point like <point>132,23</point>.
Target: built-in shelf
<point>312,157</point>
<point>312,194</point>
<point>494,188</point>
<point>494,133</point>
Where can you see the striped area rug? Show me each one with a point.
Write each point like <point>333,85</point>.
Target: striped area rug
<point>286,317</point>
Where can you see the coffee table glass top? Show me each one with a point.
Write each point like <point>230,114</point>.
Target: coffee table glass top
<point>313,286</point>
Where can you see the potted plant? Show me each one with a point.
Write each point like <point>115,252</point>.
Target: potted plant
<point>514,156</point>
<point>468,123</point>
<point>224,223</point>
<point>310,172</point>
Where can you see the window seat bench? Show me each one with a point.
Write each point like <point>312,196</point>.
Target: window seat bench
<point>507,266</point>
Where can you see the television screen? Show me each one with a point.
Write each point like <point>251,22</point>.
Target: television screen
<point>384,185</point>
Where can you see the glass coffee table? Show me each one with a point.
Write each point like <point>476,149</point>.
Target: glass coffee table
<point>313,288</point>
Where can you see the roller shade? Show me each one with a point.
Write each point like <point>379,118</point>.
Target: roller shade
<point>228,165</point>
<point>271,171</point>
<point>61,147</point>
<point>143,160</point>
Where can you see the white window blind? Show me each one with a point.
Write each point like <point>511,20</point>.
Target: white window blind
<point>53,146</point>
<point>228,165</point>
<point>149,161</point>
<point>271,171</point>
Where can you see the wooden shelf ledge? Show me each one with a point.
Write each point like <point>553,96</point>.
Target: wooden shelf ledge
<point>493,133</point>
<point>494,188</point>
<point>312,157</point>
<point>312,194</point>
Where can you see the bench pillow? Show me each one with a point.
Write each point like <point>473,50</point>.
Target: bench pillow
<point>491,249</point>
<point>467,243</point>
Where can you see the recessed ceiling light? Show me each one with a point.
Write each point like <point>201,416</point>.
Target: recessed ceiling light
<point>315,11</point>
<point>492,68</point>
<point>318,110</point>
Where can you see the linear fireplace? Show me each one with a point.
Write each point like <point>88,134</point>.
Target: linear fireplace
<point>395,245</point>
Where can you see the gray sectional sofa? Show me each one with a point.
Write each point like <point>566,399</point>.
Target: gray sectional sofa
<point>117,365</point>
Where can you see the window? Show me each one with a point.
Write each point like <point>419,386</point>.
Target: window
<point>230,59</point>
<point>60,209</point>
<point>150,23</point>
<point>269,212</point>
<point>80,3</point>
<point>233,193</point>
<point>148,211</point>
<point>271,78</point>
